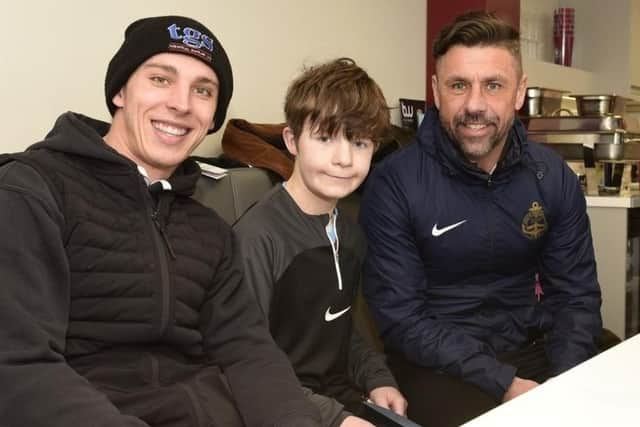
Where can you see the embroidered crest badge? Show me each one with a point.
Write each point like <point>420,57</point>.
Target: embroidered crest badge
<point>534,223</point>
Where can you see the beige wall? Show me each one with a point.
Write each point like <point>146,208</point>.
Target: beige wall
<point>55,53</point>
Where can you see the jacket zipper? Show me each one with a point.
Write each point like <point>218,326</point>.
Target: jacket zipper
<point>163,233</point>
<point>491,223</point>
<point>162,246</point>
<point>335,247</point>
<point>336,260</point>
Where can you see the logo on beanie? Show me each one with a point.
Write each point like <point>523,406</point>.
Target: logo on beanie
<point>190,41</point>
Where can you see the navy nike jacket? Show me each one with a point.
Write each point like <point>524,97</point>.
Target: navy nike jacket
<point>454,254</point>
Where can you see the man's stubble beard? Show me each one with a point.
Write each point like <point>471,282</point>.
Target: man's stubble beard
<point>493,140</point>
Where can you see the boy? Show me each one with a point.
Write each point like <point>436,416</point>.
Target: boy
<point>303,259</point>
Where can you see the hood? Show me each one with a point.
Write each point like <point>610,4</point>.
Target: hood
<point>78,135</point>
<point>435,141</point>
<point>82,136</point>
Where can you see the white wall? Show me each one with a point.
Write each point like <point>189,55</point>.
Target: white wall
<point>55,53</point>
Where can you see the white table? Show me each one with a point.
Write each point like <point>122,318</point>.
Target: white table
<point>603,391</point>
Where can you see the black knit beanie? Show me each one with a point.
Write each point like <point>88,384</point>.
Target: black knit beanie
<point>173,34</point>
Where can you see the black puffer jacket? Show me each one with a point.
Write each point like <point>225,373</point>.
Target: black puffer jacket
<point>138,293</point>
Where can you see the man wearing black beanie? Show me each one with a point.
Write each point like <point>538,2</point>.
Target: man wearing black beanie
<point>122,300</point>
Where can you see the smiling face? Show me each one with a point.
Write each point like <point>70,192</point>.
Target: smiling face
<point>164,112</point>
<point>477,91</point>
<point>327,168</point>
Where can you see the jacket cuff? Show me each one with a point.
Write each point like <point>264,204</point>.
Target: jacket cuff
<point>503,379</point>
<point>299,421</point>
<point>380,381</point>
<point>337,421</point>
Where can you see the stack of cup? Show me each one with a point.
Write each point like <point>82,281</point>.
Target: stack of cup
<point>563,25</point>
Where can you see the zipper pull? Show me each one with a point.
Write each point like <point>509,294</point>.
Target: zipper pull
<point>160,227</point>
<point>537,290</point>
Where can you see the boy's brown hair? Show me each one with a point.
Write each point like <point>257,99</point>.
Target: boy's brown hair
<point>337,96</point>
<point>478,29</point>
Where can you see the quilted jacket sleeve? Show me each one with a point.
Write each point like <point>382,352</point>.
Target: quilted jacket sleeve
<point>39,388</point>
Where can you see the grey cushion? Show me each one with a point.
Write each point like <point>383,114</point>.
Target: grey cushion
<point>232,195</point>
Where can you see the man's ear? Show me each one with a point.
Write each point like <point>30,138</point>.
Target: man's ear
<point>521,92</point>
<point>434,90</point>
<point>290,140</point>
<point>118,98</point>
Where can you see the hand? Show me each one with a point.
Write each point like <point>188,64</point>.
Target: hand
<point>518,387</point>
<point>353,421</point>
<point>390,398</point>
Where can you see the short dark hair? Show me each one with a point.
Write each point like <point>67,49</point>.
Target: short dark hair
<point>478,28</point>
<point>337,96</point>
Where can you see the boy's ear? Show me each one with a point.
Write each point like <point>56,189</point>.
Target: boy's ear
<point>289,140</point>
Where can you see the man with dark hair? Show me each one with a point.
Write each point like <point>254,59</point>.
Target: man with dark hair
<point>122,301</point>
<point>480,271</point>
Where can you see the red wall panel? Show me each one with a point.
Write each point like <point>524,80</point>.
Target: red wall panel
<point>442,12</point>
